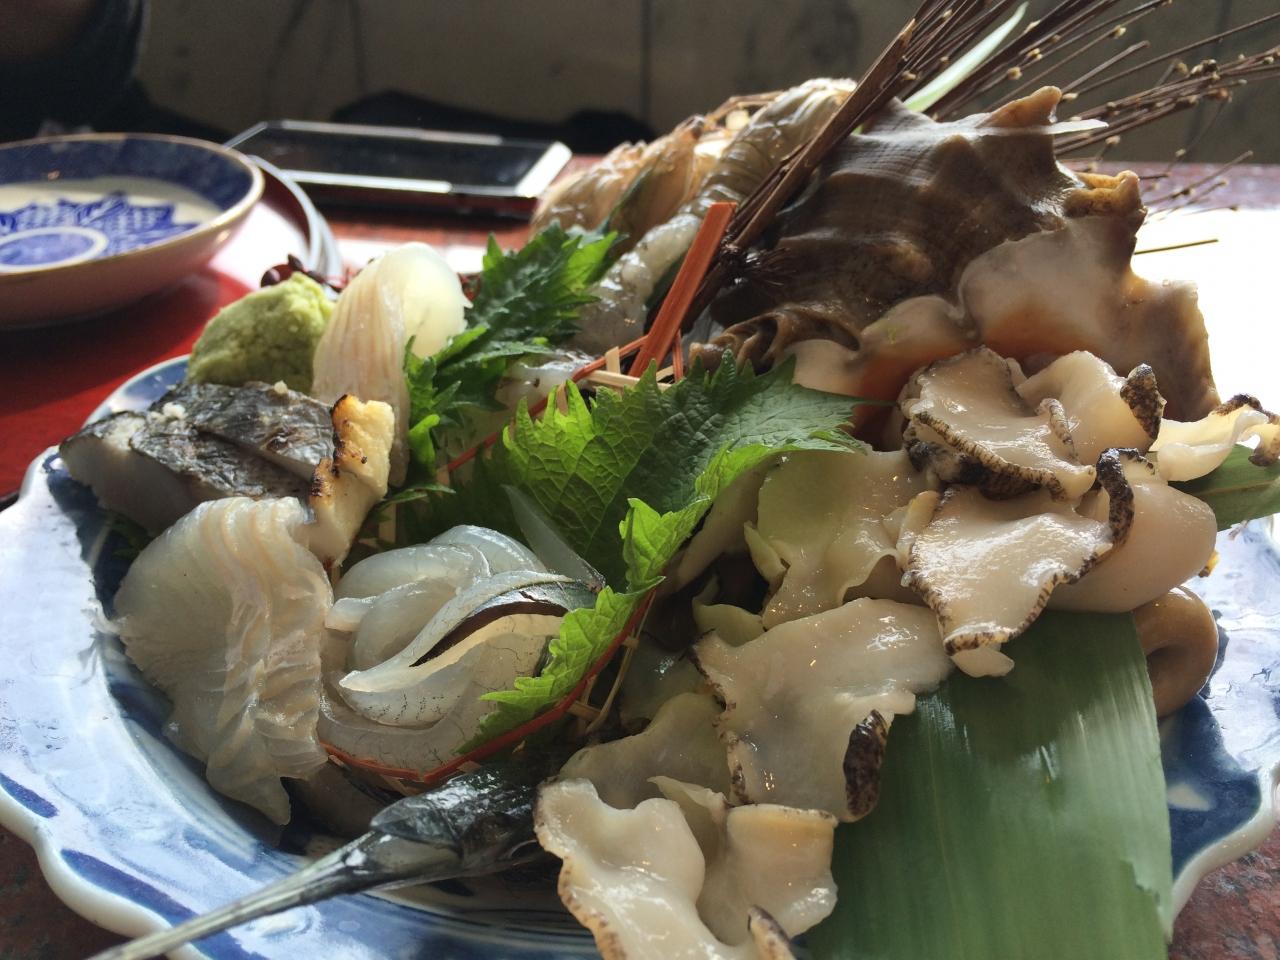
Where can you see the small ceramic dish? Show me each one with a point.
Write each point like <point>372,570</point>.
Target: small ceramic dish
<point>91,222</point>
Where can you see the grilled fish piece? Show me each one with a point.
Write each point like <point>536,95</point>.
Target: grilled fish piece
<point>284,427</point>
<point>201,442</point>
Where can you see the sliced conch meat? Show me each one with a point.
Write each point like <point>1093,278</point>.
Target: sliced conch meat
<point>1185,451</point>
<point>634,878</point>
<point>822,516</point>
<point>967,423</point>
<point>680,743</point>
<point>987,567</point>
<point>1074,289</point>
<point>225,613</point>
<point>1103,409</point>
<point>1171,539</point>
<point>808,703</point>
<point>761,855</point>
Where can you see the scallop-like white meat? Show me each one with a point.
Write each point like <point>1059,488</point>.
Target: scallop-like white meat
<point>822,516</point>
<point>1103,409</point>
<point>633,878</point>
<point>1170,541</point>
<point>680,743</point>
<point>225,613</point>
<point>808,703</point>
<point>967,422</point>
<point>1185,451</point>
<point>407,292</point>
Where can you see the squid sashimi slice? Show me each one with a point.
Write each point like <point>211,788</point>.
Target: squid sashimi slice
<point>422,693</point>
<point>680,743</point>
<point>1104,410</point>
<point>412,749</point>
<point>1171,540</point>
<point>761,855</point>
<point>490,633</point>
<point>502,553</point>
<point>988,567</point>
<point>633,878</point>
<point>408,292</point>
<point>394,619</point>
<point>225,614</point>
<point>808,703</point>
<point>1185,451</point>
<point>821,514</point>
<point>968,423</point>
<point>375,575</point>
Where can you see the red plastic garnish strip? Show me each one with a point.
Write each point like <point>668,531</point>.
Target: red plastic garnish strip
<point>666,325</point>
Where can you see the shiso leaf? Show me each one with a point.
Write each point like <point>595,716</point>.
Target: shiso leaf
<point>1020,816</point>
<point>527,301</point>
<point>1238,490</point>
<point>625,480</point>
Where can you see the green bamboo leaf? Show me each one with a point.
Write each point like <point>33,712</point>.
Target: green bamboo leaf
<point>1238,490</point>
<point>1019,817</point>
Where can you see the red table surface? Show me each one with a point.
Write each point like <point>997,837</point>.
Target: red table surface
<point>54,378</point>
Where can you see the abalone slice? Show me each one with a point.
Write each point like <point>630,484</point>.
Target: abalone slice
<point>680,743</point>
<point>808,703</point>
<point>633,878</point>
<point>1170,540</point>
<point>1185,451</point>
<point>987,567</point>
<point>967,423</point>
<point>822,516</point>
<point>1103,410</point>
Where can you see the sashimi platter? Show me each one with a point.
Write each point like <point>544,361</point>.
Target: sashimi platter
<point>816,540</point>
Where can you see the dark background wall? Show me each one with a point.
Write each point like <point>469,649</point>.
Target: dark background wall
<point>232,62</point>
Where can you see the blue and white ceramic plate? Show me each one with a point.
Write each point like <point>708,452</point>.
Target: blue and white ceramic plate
<point>94,221</point>
<point>129,834</point>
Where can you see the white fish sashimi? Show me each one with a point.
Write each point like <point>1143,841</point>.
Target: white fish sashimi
<point>408,292</point>
<point>225,613</point>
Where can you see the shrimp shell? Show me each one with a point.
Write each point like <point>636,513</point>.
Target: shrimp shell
<point>618,313</point>
<point>585,198</point>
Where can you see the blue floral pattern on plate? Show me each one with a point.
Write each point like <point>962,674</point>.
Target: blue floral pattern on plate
<point>130,834</point>
<point>40,234</point>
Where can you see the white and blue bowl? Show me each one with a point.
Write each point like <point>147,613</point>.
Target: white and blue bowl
<point>91,222</point>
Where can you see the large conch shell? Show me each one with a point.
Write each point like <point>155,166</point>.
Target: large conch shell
<point>919,240</point>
